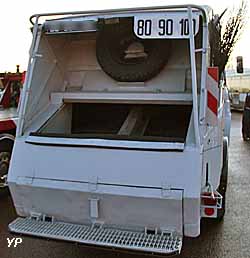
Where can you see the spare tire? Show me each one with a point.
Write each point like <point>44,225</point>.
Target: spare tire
<point>127,58</point>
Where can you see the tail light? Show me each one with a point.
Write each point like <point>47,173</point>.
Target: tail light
<point>210,203</point>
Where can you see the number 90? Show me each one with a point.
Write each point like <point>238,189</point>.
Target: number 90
<point>166,27</point>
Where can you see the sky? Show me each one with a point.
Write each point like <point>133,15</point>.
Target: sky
<point>16,38</point>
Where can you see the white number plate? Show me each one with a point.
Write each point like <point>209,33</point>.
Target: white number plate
<point>164,25</point>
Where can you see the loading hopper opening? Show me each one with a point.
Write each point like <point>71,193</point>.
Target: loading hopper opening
<point>163,123</point>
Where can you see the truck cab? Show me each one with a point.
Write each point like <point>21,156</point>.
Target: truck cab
<point>121,140</point>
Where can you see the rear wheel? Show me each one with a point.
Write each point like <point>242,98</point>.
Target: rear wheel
<point>223,181</point>
<point>6,146</point>
<point>246,120</point>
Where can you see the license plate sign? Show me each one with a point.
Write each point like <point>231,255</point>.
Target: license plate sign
<point>165,25</point>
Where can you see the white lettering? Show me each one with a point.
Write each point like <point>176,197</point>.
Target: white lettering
<point>18,241</point>
<point>10,241</point>
<point>15,241</point>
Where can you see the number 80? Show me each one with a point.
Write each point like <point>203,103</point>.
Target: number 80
<point>144,27</point>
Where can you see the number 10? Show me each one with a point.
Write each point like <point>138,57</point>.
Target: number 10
<point>185,26</point>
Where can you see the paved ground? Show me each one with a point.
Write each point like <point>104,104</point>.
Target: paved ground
<point>230,239</point>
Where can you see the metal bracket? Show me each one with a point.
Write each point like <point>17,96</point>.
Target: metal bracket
<point>4,181</point>
<point>94,208</point>
<point>169,231</point>
<point>203,50</point>
<point>47,218</point>
<point>36,216</point>
<point>37,55</point>
<point>41,217</point>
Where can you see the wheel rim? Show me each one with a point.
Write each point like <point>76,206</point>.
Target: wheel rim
<point>4,167</point>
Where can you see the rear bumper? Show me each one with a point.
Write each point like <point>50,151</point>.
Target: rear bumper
<point>99,235</point>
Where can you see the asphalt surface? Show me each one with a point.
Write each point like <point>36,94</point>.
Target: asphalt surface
<point>229,239</point>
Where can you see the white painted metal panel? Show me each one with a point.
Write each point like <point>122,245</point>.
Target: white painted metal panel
<point>117,205</point>
<point>152,98</point>
<point>110,166</point>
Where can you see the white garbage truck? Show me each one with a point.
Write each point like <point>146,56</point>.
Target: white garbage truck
<point>122,137</point>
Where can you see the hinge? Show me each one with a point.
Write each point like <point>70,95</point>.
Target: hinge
<point>21,180</point>
<point>92,184</point>
<point>165,190</point>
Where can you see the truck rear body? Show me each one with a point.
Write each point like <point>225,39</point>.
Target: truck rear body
<point>107,155</point>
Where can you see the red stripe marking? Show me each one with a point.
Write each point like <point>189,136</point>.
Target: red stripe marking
<point>23,77</point>
<point>214,73</point>
<point>7,125</point>
<point>212,103</point>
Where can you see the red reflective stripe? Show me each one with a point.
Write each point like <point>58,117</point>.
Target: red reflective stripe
<point>7,125</point>
<point>212,103</point>
<point>23,77</point>
<point>214,73</point>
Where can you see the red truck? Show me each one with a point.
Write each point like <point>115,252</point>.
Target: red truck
<point>10,87</point>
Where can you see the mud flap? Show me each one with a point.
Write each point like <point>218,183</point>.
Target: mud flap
<point>100,235</point>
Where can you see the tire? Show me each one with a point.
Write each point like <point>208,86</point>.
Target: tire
<point>246,124</point>
<point>246,119</point>
<point>125,57</point>
<point>223,181</point>
<point>6,146</point>
<point>6,142</point>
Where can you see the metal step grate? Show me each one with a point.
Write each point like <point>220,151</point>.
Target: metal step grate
<point>100,236</point>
